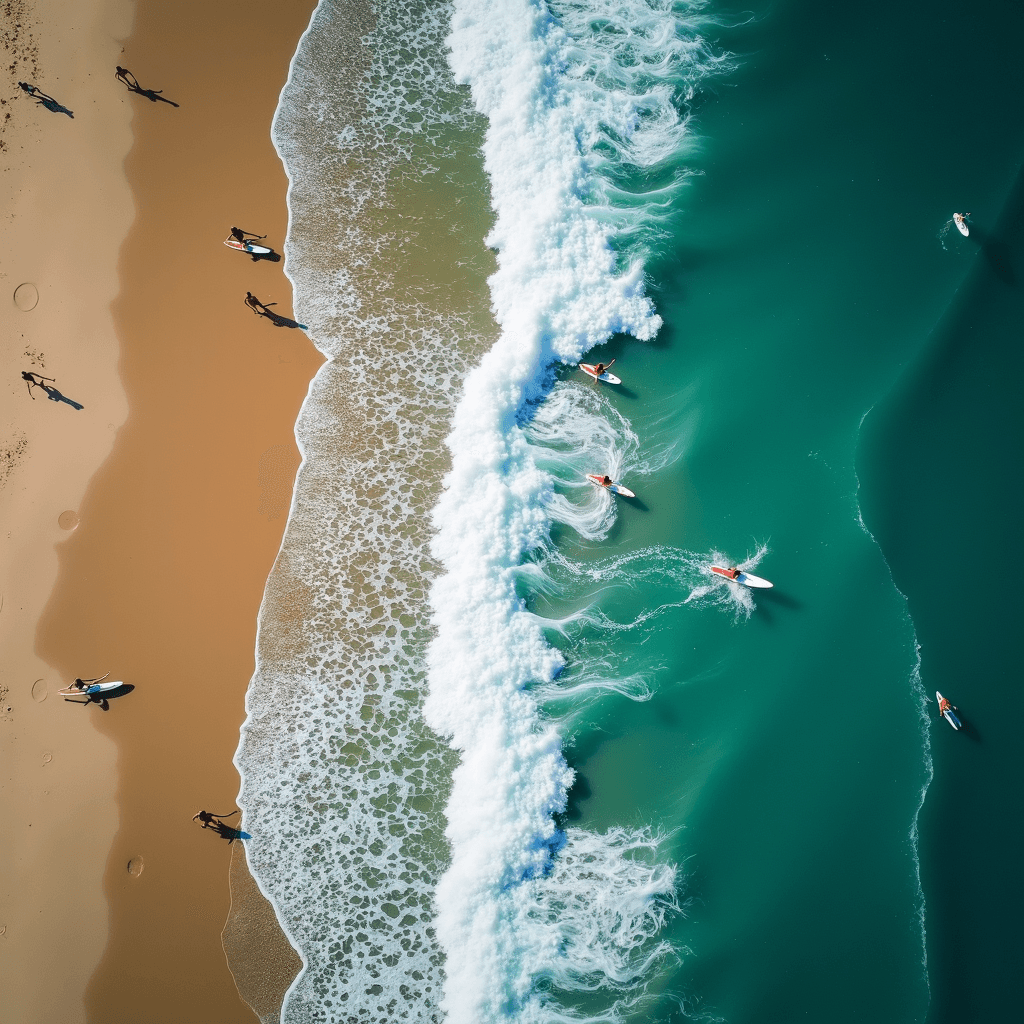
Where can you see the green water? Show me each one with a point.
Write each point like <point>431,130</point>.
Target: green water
<point>789,751</point>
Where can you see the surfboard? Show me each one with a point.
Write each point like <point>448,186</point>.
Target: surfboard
<point>948,714</point>
<point>606,377</point>
<point>961,223</point>
<point>73,691</point>
<point>624,492</point>
<point>745,578</point>
<point>234,243</point>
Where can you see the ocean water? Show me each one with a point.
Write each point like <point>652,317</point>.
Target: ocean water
<point>512,752</point>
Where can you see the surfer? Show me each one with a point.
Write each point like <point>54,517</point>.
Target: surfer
<point>732,573</point>
<point>601,367</point>
<point>944,706</point>
<point>606,481</point>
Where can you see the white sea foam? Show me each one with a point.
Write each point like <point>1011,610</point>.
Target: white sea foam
<point>586,117</point>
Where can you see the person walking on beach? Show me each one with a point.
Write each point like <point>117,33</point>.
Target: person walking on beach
<point>263,309</point>
<point>51,393</point>
<point>214,821</point>
<point>34,380</point>
<point>124,76</point>
<point>46,100</point>
<point>239,235</point>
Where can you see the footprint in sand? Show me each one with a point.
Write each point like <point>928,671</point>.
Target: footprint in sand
<point>135,866</point>
<point>68,520</point>
<point>47,757</point>
<point>39,691</point>
<point>26,296</point>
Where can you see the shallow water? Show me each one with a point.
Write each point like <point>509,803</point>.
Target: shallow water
<point>675,796</point>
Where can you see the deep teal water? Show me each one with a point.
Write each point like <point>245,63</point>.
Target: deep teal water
<point>802,289</point>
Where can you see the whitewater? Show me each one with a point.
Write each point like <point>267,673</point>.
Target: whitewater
<point>419,876</point>
<point>580,101</point>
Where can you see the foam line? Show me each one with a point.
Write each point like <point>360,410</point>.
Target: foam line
<point>581,100</point>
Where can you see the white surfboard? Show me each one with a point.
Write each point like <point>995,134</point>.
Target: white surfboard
<point>624,492</point>
<point>606,377</point>
<point>746,579</point>
<point>74,691</point>
<point>234,243</point>
<point>949,714</point>
<point>960,220</point>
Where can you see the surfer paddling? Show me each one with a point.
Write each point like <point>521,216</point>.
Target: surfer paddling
<point>599,368</point>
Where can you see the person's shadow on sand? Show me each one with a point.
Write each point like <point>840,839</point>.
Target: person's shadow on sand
<point>127,79</point>
<point>47,101</point>
<point>263,309</point>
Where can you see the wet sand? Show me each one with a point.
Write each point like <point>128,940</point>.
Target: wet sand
<point>162,579</point>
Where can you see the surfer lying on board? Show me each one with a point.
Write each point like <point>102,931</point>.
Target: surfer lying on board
<point>599,368</point>
<point>606,481</point>
<point>239,235</point>
<point>944,706</point>
<point>732,573</point>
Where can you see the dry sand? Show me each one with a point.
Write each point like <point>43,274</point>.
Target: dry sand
<point>178,528</point>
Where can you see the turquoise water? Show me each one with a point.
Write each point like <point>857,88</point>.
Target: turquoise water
<point>676,798</point>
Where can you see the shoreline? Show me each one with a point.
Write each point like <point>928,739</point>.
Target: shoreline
<point>162,580</point>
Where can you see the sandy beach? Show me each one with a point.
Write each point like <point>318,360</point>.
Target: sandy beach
<point>140,528</point>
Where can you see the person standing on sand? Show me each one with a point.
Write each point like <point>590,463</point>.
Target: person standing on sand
<point>240,236</point>
<point>34,380</point>
<point>213,820</point>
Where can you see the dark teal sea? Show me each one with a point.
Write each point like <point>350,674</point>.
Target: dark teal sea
<point>815,279</point>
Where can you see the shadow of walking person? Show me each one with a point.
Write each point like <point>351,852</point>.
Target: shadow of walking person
<point>131,83</point>
<point>35,380</point>
<point>263,309</point>
<point>45,100</point>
